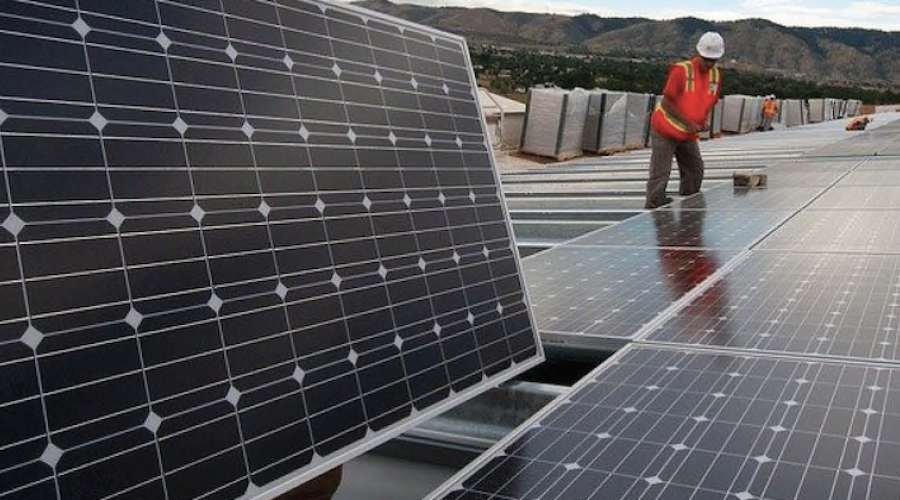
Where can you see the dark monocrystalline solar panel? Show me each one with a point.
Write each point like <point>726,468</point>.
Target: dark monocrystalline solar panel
<point>239,242</point>
<point>817,304</point>
<point>612,292</point>
<point>850,231</point>
<point>670,424</point>
<point>688,228</point>
<point>729,198</point>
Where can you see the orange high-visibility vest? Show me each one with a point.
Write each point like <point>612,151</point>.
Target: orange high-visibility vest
<point>700,93</point>
<point>770,108</point>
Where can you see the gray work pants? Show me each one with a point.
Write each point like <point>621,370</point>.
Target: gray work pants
<point>690,168</point>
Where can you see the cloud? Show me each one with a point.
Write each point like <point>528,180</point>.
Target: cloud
<point>869,8</point>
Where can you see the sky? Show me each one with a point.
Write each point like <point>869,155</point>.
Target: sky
<point>876,14</point>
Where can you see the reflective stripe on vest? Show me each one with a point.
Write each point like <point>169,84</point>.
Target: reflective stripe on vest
<point>689,75</point>
<point>671,119</point>
<point>713,81</point>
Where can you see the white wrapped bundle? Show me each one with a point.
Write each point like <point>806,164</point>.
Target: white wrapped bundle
<point>752,114</point>
<point>613,136</point>
<point>733,111</point>
<point>592,122</point>
<point>792,113</point>
<point>637,120</point>
<point>753,117</point>
<point>605,127</point>
<point>554,123</point>
<point>832,109</point>
<point>715,121</point>
<point>816,110</point>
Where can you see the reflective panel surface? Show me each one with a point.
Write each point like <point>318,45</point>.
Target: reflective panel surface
<point>729,198</point>
<point>811,173</point>
<point>838,231</point>
<point>866,176</point>
<point>877,197</point>
<point>818,304</point>
<point>612,292</point>
<point>869,143</point>
<point>670,424</point>
<point>688,229</point>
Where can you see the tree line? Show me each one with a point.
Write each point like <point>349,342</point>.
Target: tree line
<point>508,72</point>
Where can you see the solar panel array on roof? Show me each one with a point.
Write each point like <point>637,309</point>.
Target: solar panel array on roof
<point>241,241</point>
<point>878,197</point>
<point>688,229</point>
<point>855,231</point>
<point>674,424</point>
<point>775,377</point>
<point>841,305</point>
<point>705,230</point>
<point>869,144</point>
<point>748,199</point>
<point>604,296</point>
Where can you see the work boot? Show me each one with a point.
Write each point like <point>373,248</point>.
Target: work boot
<point>650,205</point>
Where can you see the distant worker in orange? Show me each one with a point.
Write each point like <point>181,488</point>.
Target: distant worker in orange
<point>858,123</point>
<point>692,90</point>
<point>769,113</point>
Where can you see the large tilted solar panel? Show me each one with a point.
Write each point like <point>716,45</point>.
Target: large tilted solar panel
<point>688,229</point>
<point>240,242</point>
<point>835,305</point>
<point>673,424</point>
<point>603,297</point>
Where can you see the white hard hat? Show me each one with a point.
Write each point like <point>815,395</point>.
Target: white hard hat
<point>711,45</point>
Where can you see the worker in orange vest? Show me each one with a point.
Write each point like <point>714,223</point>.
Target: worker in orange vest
<point>769,113</point>
<point>692,90</point>
<point>858,123</point>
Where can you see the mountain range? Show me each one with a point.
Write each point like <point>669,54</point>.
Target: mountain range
<point>835,55</point>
